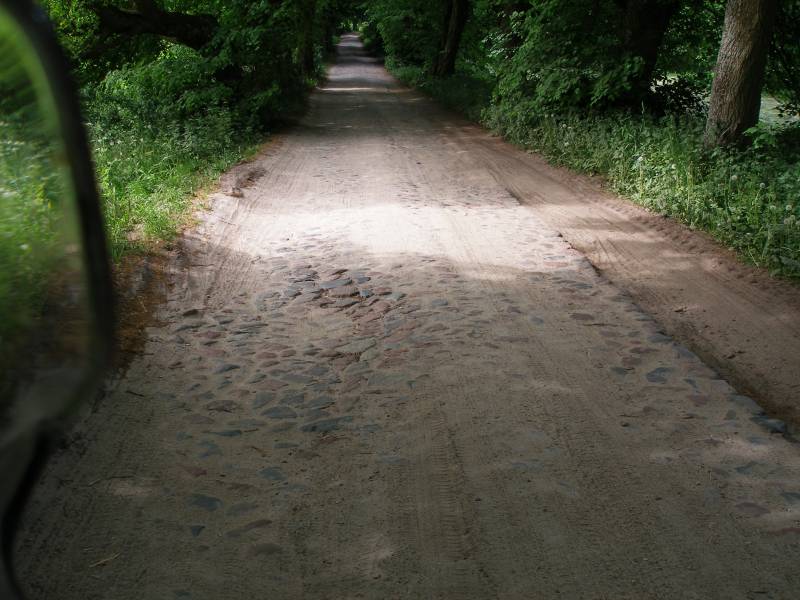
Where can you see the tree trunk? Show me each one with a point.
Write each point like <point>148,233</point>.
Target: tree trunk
<point>308,14</point>
<point>194,31</point>
<point>739,74</point>
<point>645,23</point>
<point>455,21</point>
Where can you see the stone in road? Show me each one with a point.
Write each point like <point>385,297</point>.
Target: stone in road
<point>399,383</point>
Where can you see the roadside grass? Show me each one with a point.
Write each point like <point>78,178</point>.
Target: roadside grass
<point>748,199</point>
<point>159,132</point>
<point>148,180</point>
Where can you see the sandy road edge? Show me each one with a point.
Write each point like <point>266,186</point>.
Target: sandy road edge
<point>753,352</point>
<point>724,343</point>
<point>739,319</point>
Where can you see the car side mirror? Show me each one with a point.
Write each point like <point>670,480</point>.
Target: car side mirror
<point>56,314</point>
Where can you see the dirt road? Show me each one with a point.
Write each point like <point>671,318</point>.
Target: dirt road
<point>380,375</point>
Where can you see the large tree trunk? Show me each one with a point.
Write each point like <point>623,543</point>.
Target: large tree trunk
<point>455,21</point>
<point>644,25</point>
<point>194,31</point>
<point>739,74</point>
<point>308,13</point>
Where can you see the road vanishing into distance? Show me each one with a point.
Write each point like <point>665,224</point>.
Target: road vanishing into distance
<point>378,373</point>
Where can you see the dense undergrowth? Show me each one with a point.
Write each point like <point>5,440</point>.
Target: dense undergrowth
<point>159,132</point>
<point>748,198</point>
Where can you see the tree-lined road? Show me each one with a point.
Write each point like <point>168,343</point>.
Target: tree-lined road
<point>378,374</point>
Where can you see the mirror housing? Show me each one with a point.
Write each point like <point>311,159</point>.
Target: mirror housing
<point>27,437</point>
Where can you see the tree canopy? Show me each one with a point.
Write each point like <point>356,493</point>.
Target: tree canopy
<point>537,56</point>
<point>562,56</point>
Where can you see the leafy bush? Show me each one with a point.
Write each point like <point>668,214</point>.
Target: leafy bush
<point>158,131</point>
<point>407,30</point>
<point>551,69</point>
<point>179,84</point>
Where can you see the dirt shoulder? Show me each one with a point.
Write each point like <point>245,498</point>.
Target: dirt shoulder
<point>737,318</point>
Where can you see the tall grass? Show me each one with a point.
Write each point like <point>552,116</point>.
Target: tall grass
<point>159,132</point>
<point>147,178</point>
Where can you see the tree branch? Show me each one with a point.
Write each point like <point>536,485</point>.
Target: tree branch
<point>194,31</point>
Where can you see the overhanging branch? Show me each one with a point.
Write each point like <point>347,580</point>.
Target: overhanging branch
<point>194,31</point>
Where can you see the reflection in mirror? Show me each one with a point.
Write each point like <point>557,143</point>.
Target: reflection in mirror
<point>44,319</point>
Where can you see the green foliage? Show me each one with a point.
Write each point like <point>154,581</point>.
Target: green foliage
<point>159,131</point>
<point>408,30</point>
<point>178,85</point>
<point>32,193</point>
<point>78,29</point>
<point>261,46</point>
<point>691,43</point>
<point>30,189</point>
<point>371,37</point>
<point>553,69</point>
